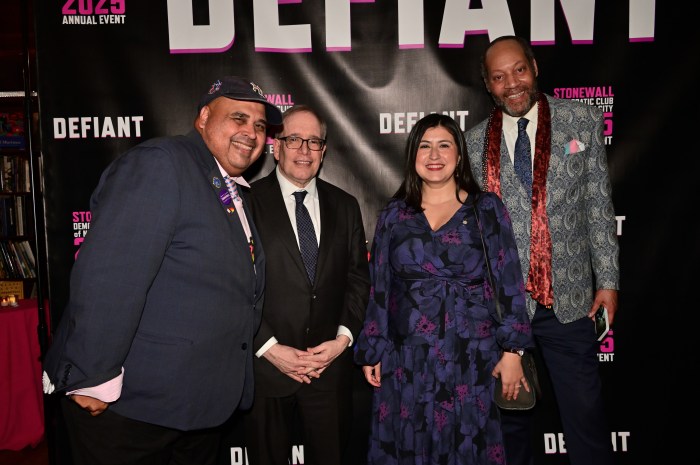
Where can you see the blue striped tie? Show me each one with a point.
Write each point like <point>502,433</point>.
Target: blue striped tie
<point>522,161</point>
<point>232,189</point>
<point>307,236</point>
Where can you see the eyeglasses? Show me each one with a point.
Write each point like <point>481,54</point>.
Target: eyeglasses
<point>295,142</point>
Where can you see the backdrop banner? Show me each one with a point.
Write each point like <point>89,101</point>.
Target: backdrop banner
<point>115,73</point>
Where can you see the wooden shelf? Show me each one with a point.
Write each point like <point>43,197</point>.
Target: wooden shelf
<point>18,96</point>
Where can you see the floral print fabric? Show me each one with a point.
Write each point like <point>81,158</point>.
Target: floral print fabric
<point>431,322</point>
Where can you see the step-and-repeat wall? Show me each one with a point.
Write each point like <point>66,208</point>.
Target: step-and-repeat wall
<point>113,73</point>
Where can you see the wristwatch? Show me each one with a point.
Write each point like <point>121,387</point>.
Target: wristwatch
<point>520,352</point>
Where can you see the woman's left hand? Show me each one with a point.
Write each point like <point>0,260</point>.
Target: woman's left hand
<point>510,369</point>
<point>373,374</point>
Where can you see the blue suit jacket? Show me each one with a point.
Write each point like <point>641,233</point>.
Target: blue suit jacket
<point>579,206</point>
<point>163,286</point>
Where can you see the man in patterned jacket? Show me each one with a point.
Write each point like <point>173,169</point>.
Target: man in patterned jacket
<point>564,223</point>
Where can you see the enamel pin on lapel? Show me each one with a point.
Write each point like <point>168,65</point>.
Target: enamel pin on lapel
<point>224,195</point>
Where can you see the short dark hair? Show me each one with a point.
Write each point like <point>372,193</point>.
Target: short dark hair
<point>298,109</point>
<point>524,44</point>
<point>410,189</point>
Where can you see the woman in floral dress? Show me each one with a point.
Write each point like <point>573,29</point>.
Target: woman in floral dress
<point>431,343</point>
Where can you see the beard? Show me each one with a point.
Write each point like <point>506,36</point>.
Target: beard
<point>519,109</point>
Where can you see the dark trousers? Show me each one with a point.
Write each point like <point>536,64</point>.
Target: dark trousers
<point>112,439</point>
<point>569,352</point>
<point>320,420</point>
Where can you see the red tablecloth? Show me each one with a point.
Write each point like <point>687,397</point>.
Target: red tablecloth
<point>21,398</point>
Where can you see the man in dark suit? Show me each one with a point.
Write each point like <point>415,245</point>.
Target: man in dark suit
<point>154,347</point>
<point>313,309</point>
<point>560,204</point>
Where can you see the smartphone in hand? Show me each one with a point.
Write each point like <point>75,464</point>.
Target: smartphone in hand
<point>602,325</point>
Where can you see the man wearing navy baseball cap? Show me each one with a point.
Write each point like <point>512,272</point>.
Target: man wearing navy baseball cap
<point>238,88</point>
<point>154,349</point>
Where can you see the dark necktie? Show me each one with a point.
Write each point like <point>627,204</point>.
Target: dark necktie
<point>522,160</point>
<point>307,236</point>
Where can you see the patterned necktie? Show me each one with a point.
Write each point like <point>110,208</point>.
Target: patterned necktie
<point>238,203</point>
<point>307,236</point>
<point>233,190</point>
<point>522,160</point>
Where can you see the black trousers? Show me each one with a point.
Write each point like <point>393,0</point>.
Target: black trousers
<point>320,420</point>
<point>112,439</point>
<point>569,352</point>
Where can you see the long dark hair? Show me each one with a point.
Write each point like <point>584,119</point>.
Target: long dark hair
<point>410,189</point>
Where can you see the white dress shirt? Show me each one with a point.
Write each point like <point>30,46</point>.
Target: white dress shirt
<point>311,204</point>
<point>510,132</point>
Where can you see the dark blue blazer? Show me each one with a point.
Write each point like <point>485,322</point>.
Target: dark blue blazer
<point>163,286</point>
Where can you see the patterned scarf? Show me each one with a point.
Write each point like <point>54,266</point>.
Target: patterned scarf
<point>539,276</point>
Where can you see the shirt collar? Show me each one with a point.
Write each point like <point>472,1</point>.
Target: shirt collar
<point>510,123</point>
<point>288,189</point>
<point>238,179</point>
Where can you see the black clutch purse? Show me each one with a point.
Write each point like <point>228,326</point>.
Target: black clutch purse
<point>526,400</point>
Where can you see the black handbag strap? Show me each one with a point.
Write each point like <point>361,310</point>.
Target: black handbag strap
<point>528,362</point>
<point>488,266</point>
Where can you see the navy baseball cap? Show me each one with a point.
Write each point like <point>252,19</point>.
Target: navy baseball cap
<point>238,88</point>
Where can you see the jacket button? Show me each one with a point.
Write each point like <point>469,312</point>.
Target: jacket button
<point>313,296</point>
<point>244,346</point>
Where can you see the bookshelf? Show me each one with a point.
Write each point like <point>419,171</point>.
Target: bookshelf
<point>18,266</point>
<point>22,249</point>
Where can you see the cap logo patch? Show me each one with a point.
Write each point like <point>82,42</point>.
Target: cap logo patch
<point>215,87</point>
<point>256,88</point>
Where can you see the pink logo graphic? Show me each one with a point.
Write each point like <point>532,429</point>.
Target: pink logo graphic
<point>607,345</point>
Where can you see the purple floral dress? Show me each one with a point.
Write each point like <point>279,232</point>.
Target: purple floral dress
<point>431,322</point>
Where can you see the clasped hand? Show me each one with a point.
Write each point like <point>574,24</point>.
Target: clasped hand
<point>304,365</point>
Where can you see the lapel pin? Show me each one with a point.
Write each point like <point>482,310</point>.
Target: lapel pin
<point>224,196</point>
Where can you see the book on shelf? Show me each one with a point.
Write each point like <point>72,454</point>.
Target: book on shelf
<point>15,262</point>
<point>20,264</point>
<point>12,130</point>
<point>29,253</point>
<point>15,215</point>
<point>16,174</point>
<point>7,216</point>
<point>28,270</point>
<point>7,263</point>
<point>19,216</point>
